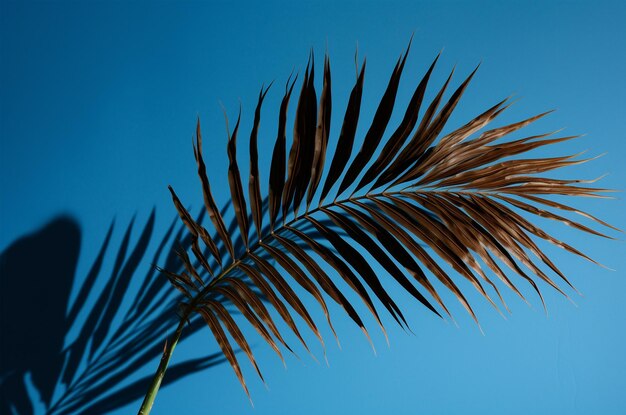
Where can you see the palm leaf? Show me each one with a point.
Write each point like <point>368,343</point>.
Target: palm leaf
<point>121,328</point>
<point>461,201</point>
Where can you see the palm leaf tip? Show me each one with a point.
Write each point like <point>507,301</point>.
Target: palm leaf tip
<point>462,201</point>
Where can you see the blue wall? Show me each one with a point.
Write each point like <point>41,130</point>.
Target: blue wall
<point>98,105</point>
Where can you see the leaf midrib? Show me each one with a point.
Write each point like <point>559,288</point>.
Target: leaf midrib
<point>266,238</point>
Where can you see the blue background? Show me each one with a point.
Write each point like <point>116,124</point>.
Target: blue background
<point>99,101</point>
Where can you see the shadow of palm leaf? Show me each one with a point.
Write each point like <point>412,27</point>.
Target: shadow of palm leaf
<point>121,322</point>
<point>33,331</point>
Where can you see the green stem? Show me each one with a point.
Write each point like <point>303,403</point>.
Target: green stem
<point>146,406</point>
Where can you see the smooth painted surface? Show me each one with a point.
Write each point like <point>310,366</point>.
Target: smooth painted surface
<point>99,101</point>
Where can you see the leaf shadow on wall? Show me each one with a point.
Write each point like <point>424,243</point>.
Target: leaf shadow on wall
<point>121,314</point>
<point>120,328</point>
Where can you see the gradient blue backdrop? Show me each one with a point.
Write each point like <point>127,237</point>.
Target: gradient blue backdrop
<point>99,101</point>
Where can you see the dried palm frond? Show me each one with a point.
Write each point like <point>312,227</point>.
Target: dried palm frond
<point>420,203</point>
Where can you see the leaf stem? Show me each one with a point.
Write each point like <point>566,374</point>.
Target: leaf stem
<point>146,406</point>
<point>169,348</point>
<point>148,401</point>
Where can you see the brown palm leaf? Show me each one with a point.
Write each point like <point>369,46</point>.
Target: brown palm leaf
<point>423,203</point>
